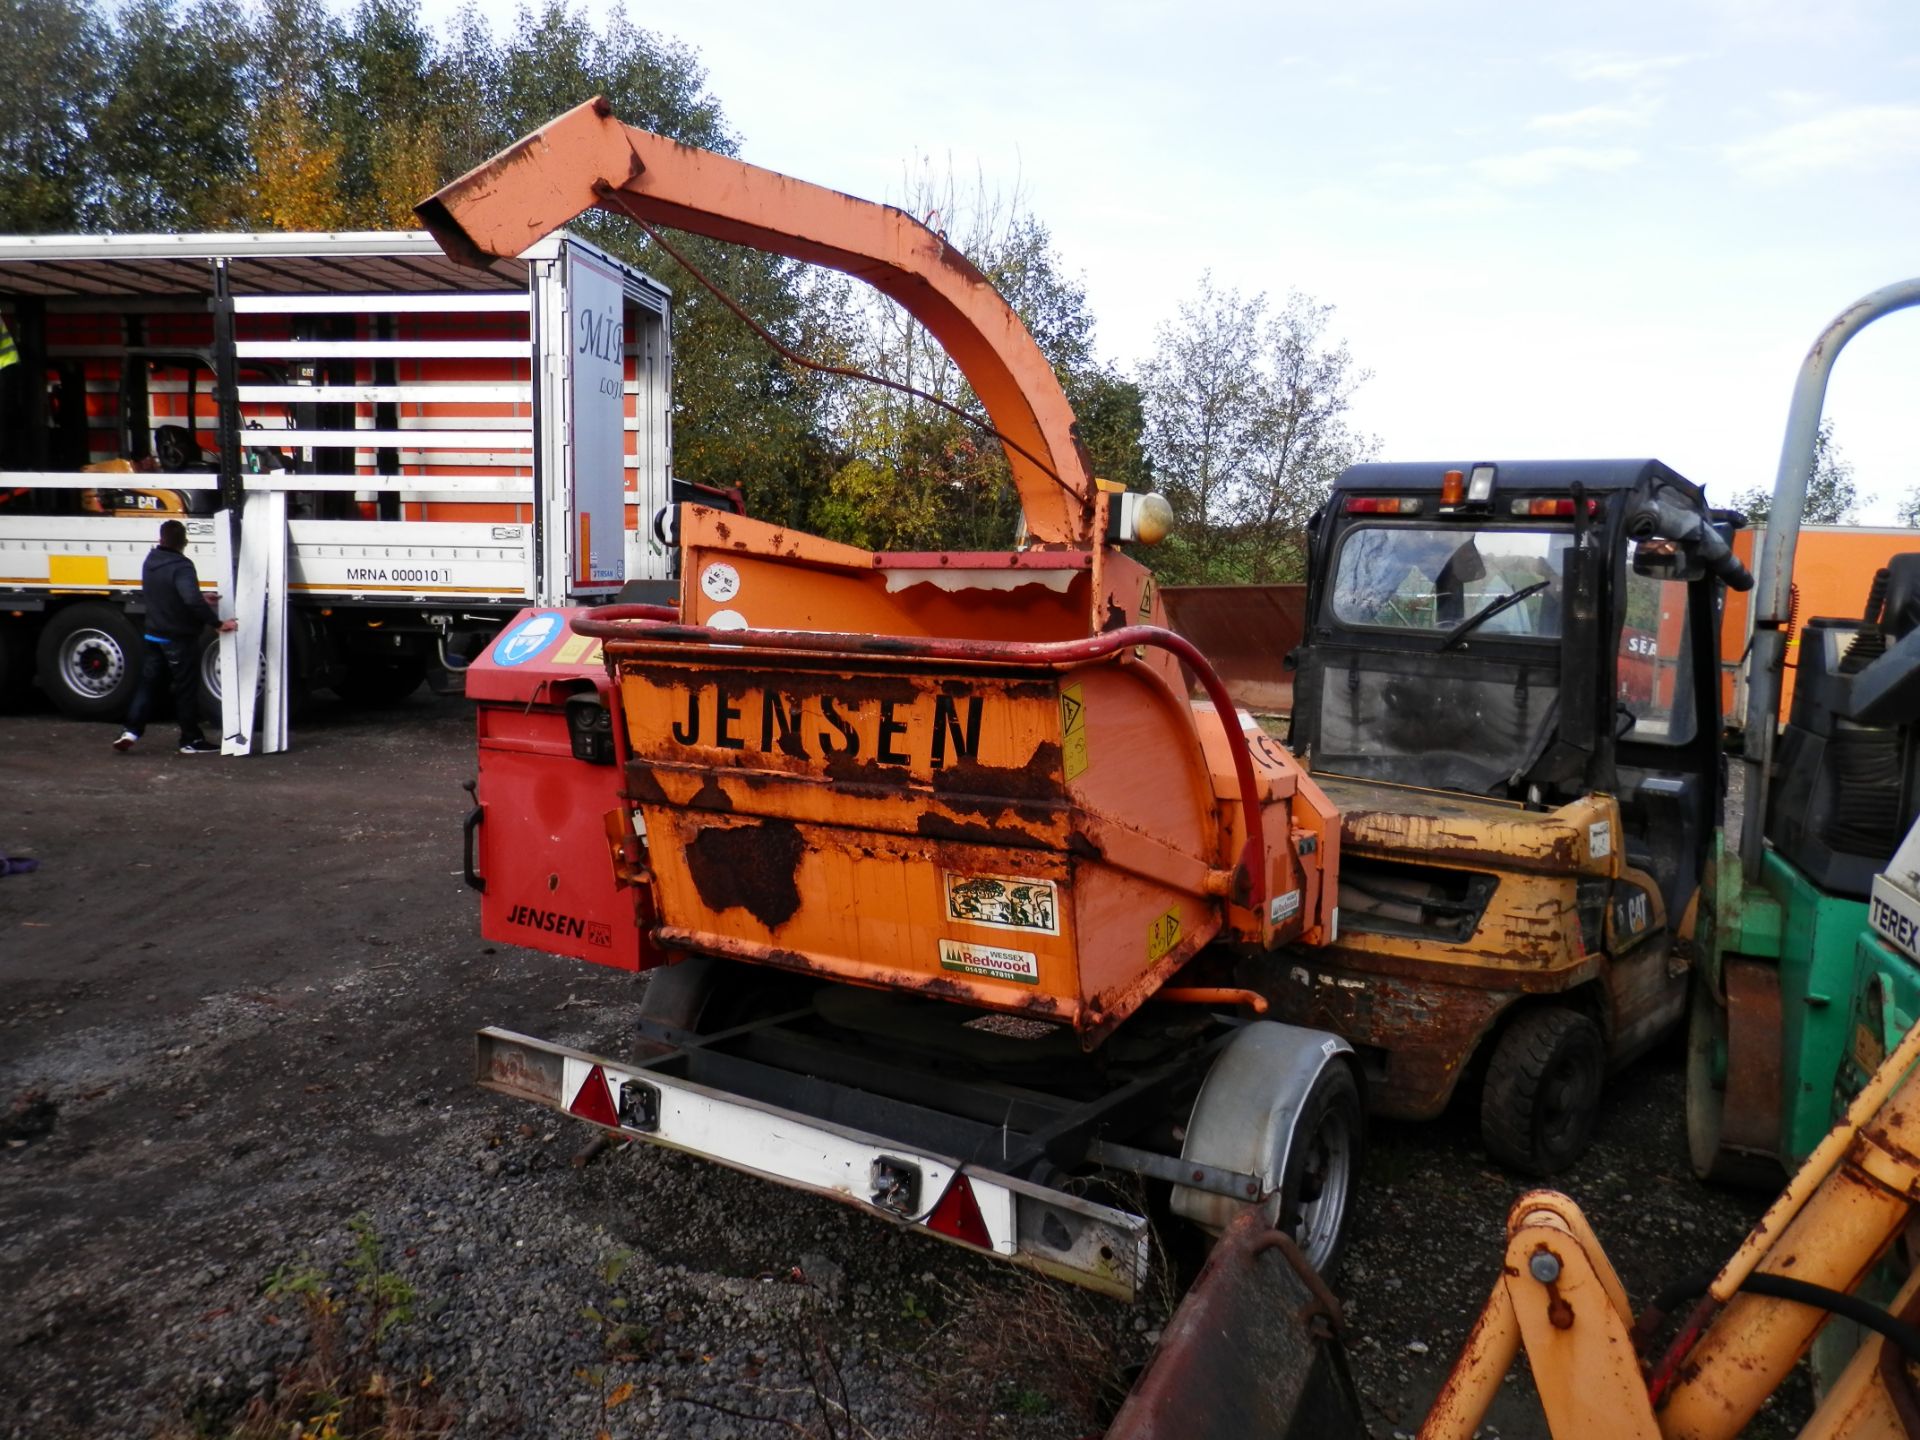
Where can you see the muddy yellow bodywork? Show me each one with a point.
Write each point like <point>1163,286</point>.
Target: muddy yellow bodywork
<point>1553,905</point>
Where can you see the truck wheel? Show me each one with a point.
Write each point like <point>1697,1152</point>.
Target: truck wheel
<point>1543,1090</point>
<point>299,689</point>
<point>379,683</point>
<point>89,661</point>
<point>1276,1106</point>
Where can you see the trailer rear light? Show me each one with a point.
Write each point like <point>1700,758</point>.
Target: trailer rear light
<point>958,1216</point>
<point>594,1101</point>
<point>895,1185</point>
<point>1383,505</point>
<point>1562,505</point>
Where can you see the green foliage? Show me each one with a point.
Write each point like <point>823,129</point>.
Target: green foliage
<point>389,1299</point>
<point>170,138</point>
<point>1247,430</point>
<point>56,50</point>
<point>1832,497</point>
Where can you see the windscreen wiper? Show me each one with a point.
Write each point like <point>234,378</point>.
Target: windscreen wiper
<point>1487,611</point>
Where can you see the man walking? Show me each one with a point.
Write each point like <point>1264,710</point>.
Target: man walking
<point>175,617</point>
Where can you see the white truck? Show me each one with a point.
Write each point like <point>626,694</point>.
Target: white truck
<point>450,445</point>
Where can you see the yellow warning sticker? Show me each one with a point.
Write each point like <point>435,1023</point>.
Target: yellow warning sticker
<point>1163,934</point>
<point>1146,613</point>
<point>578,650</point>
<point>1073,732</point>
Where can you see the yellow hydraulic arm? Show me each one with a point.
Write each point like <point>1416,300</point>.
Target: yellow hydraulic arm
<point>1559,1300</point>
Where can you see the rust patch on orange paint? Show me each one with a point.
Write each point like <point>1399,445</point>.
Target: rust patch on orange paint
<point>754,867</point>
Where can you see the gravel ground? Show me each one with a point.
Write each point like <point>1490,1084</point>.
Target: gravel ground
<point>234,1009</point>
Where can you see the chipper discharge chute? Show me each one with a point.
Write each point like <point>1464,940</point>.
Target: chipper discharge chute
<point>951,871</point>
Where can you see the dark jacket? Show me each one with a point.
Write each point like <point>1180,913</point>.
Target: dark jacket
<point>171,587</point>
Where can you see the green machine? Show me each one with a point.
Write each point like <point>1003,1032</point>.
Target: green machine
<point>1807,965</point>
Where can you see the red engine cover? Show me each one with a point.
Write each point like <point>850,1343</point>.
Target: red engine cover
<point>542,843</point>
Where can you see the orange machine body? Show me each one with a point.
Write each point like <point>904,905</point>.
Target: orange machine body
<point>973,775</point>
<point>1029,835</point>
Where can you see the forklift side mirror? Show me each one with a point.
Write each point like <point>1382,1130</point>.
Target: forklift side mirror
<point>1667,560</point>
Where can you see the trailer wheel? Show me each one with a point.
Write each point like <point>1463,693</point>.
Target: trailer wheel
<point>1543,1090</point>
<point>89,661</point>
<point>1278,1105</point>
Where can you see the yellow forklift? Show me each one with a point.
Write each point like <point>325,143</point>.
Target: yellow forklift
<point>1509,687</point>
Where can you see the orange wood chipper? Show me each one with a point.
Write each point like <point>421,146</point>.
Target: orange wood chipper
<point>946,870</point>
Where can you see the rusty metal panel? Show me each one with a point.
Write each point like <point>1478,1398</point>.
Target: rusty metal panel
<point>1247,632</point>
<point>1252,1353</point>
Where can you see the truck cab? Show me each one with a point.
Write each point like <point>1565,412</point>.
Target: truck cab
<point>1509,686</point>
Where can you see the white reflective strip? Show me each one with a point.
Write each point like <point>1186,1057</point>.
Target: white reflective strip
<point>106,480</point>
<point>777,1146</point>
<point>384,349</point>
<point>452,393</point>
<point>412,439</point>
<point>465,487</point>
<point>405,304</point>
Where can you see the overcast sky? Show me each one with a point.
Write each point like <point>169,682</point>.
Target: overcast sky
<point>1549,230</point>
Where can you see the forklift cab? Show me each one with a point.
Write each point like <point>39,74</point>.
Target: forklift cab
<point>1531,632</point>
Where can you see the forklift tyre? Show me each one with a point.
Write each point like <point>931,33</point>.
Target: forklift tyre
<point>1543,1090</point>
<point>1283,1104</point>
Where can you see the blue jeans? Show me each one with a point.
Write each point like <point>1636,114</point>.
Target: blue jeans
<point>168,660</point>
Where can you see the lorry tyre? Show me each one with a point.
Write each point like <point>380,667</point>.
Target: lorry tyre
<point>299,690</point>
<point>89,661</point>
<point>1279,1105</point>
<point>1543,1090</point>
<point>378,683</point>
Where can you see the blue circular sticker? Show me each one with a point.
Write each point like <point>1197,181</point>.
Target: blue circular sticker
<point>527,639</point>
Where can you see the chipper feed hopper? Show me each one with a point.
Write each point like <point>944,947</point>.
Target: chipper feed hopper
<point>865,803</point>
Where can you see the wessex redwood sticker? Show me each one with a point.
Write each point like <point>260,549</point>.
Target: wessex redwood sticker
<point>992,961</point>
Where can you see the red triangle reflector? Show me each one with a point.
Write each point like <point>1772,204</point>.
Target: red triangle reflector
<point>958,1216</point>
<point>595,1101</point>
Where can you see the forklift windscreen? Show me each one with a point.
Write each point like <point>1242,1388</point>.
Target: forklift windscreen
<point>1412,578</point>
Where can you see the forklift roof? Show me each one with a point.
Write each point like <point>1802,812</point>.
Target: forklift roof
<point>1513,474</point>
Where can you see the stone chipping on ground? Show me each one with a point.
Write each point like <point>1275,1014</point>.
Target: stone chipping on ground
<point>235,1010</point>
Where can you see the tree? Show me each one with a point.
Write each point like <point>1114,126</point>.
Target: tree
<point>56,50</point>
<point>1910,509</point>
<point>1832,498</point>
<point>913,474</point>
<point>169,143</point>
<point>1246,430</point>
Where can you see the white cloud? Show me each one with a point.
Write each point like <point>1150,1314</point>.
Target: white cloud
<point>1548,163</point>
<point>1862,138</point>
<point>1596,118</point>
<point>1621,67</point>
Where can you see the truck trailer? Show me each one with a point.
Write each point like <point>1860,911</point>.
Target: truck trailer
<point>452,443</point>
